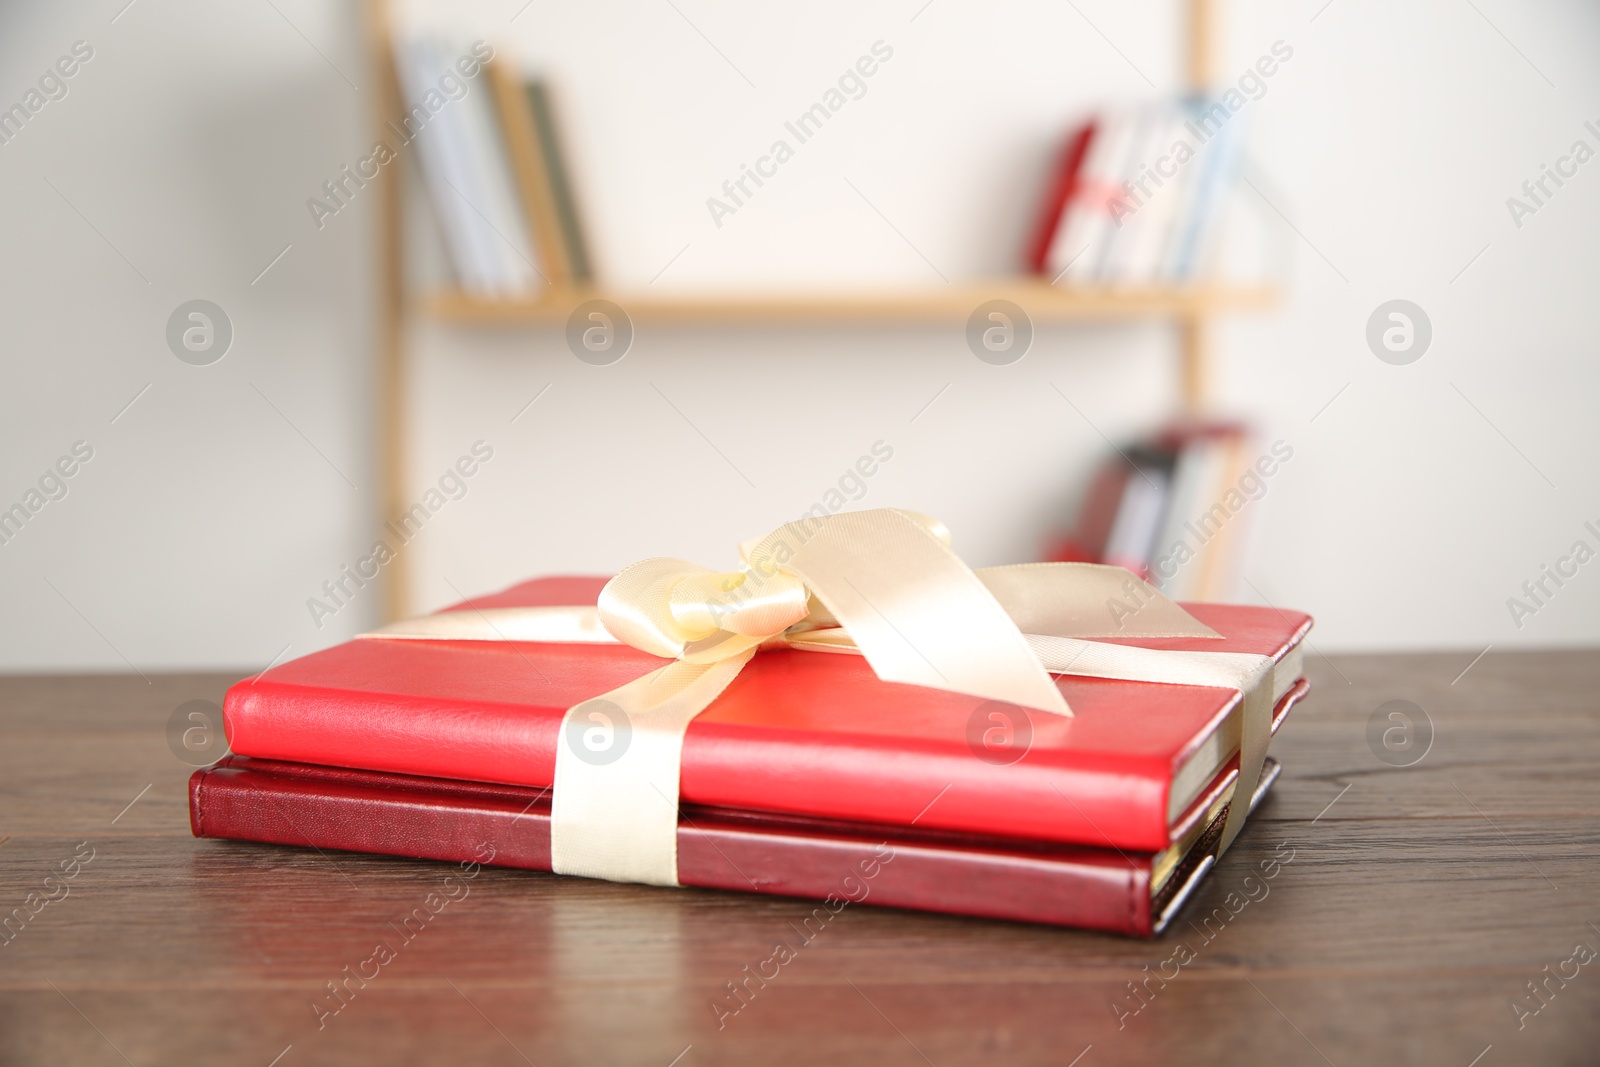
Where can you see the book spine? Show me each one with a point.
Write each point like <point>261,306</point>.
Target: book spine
<point>449,185</point>
<point>528,164</point>
<point>1073,255</point>
<point>1131,216</point>
<point>498,207</point>
<point>561,186</point>
<point>1053,219</point>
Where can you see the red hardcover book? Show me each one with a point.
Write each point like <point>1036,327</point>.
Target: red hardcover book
<point>1061,191</point>
<point>509,826</point>
<point>797,732</point>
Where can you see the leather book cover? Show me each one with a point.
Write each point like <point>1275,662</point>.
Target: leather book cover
<point>906,867</point>
<point>797,732</point>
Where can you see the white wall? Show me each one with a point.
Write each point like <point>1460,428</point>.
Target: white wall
<point>1391,141</point>
<point>189,142</point>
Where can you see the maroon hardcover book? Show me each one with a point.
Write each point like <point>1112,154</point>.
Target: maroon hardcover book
<point>1134,893</point>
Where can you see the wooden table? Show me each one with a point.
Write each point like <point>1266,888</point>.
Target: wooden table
<point>1418,904</point>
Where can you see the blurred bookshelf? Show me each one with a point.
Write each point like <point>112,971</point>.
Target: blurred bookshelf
<point>1189,305</point>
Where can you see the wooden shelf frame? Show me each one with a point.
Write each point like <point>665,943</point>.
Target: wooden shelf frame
<point>1042,302</point>
<point>1189,307</point>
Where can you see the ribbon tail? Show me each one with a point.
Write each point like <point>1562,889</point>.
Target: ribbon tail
<point>911,606</point>
<point>1255,733</point>
<point>614,800</point>
<point>1087,600</point>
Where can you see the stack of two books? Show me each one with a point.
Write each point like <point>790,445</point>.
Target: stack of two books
<point>808,777</point>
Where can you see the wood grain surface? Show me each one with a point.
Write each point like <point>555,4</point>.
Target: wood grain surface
<point>1418,904</point>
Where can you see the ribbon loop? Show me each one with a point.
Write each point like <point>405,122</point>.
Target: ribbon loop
<point>733,602</point>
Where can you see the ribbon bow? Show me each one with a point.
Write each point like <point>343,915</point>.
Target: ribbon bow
<point>884,584</point>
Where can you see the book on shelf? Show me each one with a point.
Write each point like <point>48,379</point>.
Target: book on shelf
<point>541,107</point>
<point>441,153</point>
<point>1064,187</point>
<point>495,175</point>
<point>1163,509</point>
<point>466,175</point>
<point>1087,540</point>
<point>1137,196</point>
<point>1132,538</point>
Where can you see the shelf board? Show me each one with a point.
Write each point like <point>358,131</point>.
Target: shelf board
<point>1043,303</point>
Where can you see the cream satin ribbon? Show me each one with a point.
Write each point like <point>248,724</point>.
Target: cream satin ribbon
<point>883,584</point>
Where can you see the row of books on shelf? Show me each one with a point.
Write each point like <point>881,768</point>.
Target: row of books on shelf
<point>496,176</point>
<point>1174,510</point>
<point>1138,195</point>
<point>1136,198</point>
